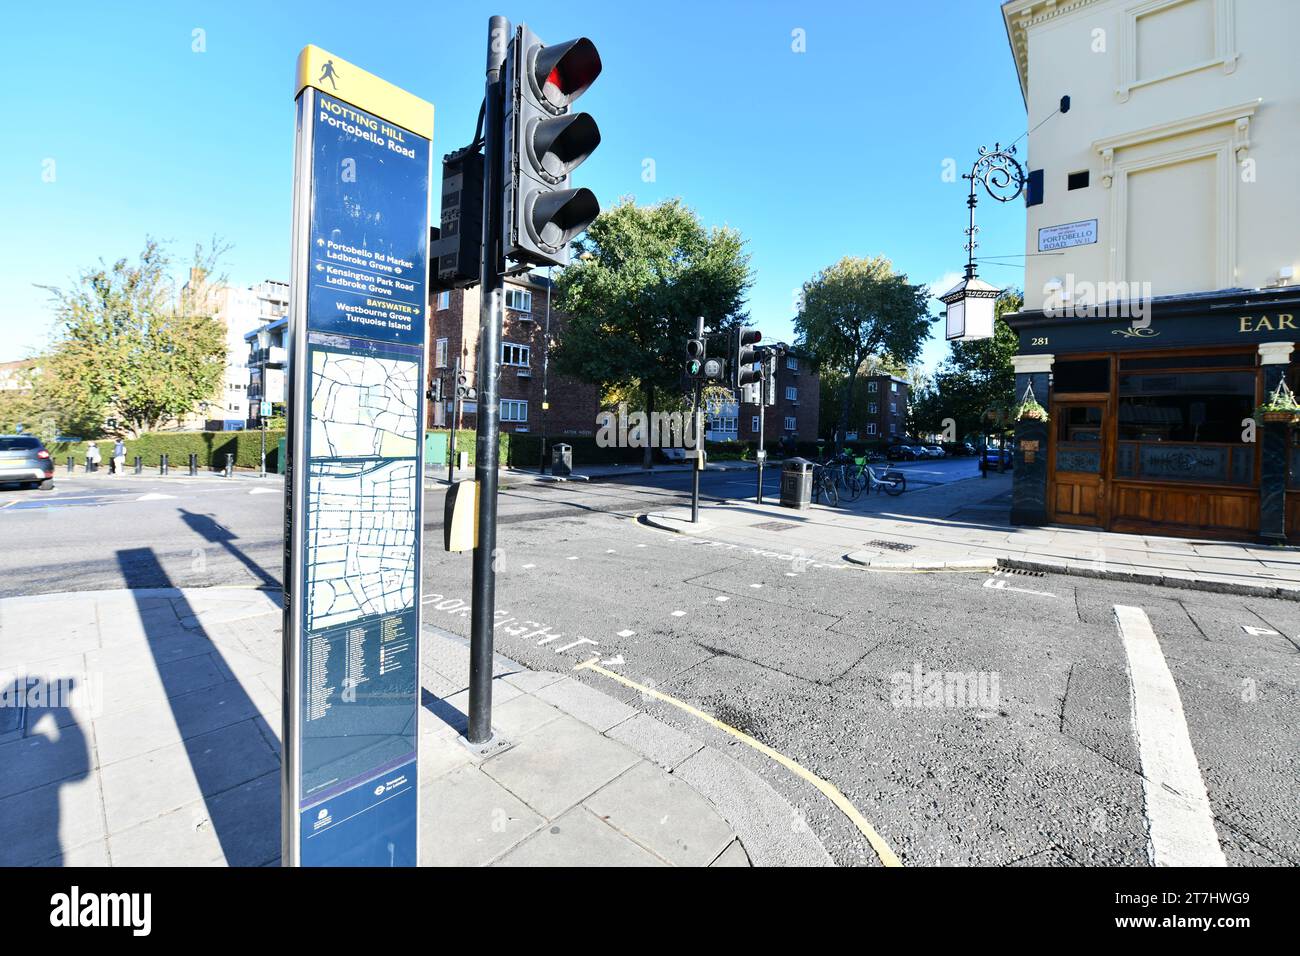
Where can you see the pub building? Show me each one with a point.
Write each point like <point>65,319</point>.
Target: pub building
<point>1151,423</point>
<point>1162,249</point>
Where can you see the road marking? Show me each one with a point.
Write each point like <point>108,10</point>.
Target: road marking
<point>8,503</point>
<point>527,566</point>
<point>832,792</point>
<point>610,551</point>
<point>626,633</point>
<point>1259,631</point>
<point>999,584</point>
<point>723,597</point>
<point>1180,824</point>
<point>154,496</point>
<point>573,557</point>
<point>756,585</point>
<point>679,613</point>
<point>263,491</point>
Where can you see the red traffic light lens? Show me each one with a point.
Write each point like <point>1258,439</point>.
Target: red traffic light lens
<point>564,71</point>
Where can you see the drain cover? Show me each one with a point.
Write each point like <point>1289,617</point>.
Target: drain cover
<point>1024,572</point>
<point>774,526</point>
<point>889,545</point>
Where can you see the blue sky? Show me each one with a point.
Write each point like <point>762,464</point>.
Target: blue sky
<point>834,151</point>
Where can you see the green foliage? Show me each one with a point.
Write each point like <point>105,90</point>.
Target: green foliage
<point>857,310</point>
<point>641,276</point>
<point>975,386</point>
<point>211,447</point>
<point>131,347</point>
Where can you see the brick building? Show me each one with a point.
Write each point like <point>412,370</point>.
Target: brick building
<point>454,333</point>
<point>795,416</point>
<point>883,414</point>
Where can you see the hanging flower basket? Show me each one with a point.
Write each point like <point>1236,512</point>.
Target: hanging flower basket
<point>1281,407</point>
<point>1031,411</point>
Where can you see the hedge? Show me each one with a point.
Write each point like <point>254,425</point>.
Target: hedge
<point>211,447</point>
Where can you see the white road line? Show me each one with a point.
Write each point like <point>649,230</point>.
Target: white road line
<point>1180,824</point>
<point>679,613</point>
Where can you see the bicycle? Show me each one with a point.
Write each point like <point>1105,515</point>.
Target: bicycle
<point>824,484</point>
<point>892,483</point>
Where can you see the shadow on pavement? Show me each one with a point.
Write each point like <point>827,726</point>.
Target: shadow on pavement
<point>245,816</point>
<point>37,705</point>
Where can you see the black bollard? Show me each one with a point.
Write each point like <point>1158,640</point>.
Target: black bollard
<point>230,465</point>
<point>162,464</point>
<point>139,465</point>
<point>69,464</point>
<point>194,464</point>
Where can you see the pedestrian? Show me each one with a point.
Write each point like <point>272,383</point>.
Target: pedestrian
<point>93,457</point>
<point>119,457</point>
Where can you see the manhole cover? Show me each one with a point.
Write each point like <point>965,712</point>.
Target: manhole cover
<point>774,526</point>
<point>889,545</point>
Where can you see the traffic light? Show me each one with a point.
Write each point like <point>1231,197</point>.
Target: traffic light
<point>744,356</point>
<point>694,358</point>
<point>454,252</point>
<point>544,143</point>
<point>434,394</point>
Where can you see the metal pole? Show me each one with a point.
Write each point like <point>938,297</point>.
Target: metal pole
<point>491,313</point>
<point>455,417</point>
<point>546,362</point>
<point>263,474</point>
<point>762,422</point>
<point>699,435</point>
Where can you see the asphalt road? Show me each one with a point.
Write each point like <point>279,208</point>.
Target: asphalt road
<point>1036,763</point>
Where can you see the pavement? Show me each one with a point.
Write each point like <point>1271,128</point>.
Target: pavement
<point>964,526</point>
<point>150,736</point>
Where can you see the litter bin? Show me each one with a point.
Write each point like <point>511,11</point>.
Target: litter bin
<point>796,483</point>
<point>561,459</point>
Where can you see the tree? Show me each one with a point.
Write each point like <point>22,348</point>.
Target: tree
<point>641,277</point>
<point>977,377</point>
<point>131,346</point>
<point>857,309</point>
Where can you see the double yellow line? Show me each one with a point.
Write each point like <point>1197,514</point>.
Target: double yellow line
<point>831,792</point>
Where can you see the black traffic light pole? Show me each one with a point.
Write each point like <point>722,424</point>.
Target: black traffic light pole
<point>762,421</point>
<point>455,417</point>
<point>483,586</point>
<point>699,435</point>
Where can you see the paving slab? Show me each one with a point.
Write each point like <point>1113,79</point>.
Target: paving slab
<point>579,839</point>
<point>543,772</point>
<point>662,814</point>
<point>468,819</point>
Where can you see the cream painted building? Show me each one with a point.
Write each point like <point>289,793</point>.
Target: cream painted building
<point>1163,248</point>
<point>241,311</point>
<point>1181,142</point>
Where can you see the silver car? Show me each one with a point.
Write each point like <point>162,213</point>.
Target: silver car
<point>23,459</point>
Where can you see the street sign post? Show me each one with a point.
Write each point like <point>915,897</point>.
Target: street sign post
<point>354,464</point>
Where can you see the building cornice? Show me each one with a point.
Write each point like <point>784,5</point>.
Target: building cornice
<point>1020,15</point>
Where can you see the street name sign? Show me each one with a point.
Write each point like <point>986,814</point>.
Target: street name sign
<point>353,501</point>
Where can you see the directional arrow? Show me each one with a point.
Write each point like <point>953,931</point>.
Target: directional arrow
<point>1258,631</point>
<point>615,661</point>
<point>997,584</point>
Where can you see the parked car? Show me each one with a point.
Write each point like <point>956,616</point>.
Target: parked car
<point>902,453</point>
<point>934,451</point>
<point>992,454</point>
<point>24,459</point>
<point>959,449</point>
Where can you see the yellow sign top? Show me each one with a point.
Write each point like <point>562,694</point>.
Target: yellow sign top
<point>335,76</point>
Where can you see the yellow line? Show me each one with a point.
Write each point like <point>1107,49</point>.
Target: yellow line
<point>8,503</point>
<point>877,842</point>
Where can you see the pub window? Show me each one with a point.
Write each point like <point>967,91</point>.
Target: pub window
<point>1185,426</point>
<point>1082,375</point>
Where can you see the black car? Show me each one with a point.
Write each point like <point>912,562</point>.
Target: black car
<point>24,459</point>
<point>902,453</point>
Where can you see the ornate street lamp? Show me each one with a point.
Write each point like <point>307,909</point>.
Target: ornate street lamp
<point>971,301</point>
